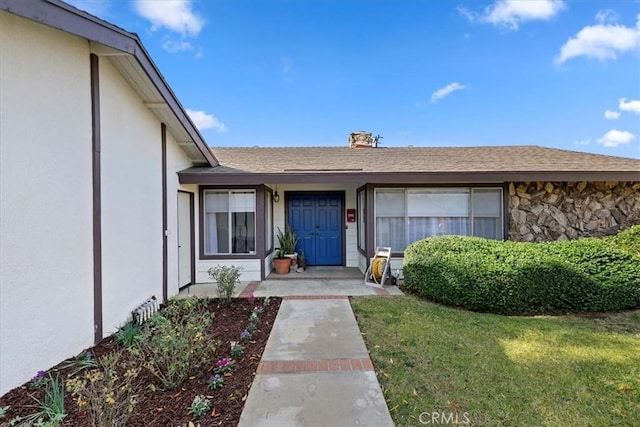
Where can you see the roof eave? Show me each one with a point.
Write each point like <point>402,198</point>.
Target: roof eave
<point>191,177</point>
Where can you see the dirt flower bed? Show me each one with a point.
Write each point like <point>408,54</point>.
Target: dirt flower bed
<point>144,394</point>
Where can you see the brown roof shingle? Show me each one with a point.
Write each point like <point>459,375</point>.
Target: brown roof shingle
<point>496,163</point>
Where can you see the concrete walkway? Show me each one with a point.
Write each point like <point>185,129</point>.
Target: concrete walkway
<point>315,370</point>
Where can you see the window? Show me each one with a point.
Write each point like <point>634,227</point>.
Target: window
<point>406,215</point>
<point>229,222</point>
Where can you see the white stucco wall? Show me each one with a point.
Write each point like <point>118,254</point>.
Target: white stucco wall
<point>46,246</point>
<point>131,199</point>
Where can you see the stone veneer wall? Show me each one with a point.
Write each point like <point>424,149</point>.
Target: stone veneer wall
<point>541,211</point>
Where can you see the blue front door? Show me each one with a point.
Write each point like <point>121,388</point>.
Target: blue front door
<point>317,221</point>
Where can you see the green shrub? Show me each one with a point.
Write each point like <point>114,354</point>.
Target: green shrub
<point>627,240</point>
<point>226,278</point>
<point>172,351</point>
<point>523,278</point>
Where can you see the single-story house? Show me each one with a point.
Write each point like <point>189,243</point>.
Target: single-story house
<point>343,202</point>
<point>109,194</point>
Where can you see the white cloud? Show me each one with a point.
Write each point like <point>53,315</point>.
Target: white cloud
<point>582,142</point>
<point>614,137</point>
<point>204,121</point>
<point>175,15</point>
<point>601,41</point>
<point>173,46</point>
<point>611,115</point>
<point>631,105</point>
<point>442,92</point>
<point>511,13</point>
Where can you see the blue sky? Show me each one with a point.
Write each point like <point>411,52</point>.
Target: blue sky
<point>563,74</point>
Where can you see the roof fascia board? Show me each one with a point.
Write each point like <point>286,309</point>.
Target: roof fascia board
<point>186,177</point>
<point>61,16</point>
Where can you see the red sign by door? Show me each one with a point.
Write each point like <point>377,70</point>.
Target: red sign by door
<point>351,215</point>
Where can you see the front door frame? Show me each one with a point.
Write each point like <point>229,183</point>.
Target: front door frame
<point>340,194</point>
<point>192,236</point>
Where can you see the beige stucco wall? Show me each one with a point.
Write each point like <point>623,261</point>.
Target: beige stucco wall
<point>46,246</point>
<point>541,211</point>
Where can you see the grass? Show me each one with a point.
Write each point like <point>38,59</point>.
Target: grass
<point>502,371</point>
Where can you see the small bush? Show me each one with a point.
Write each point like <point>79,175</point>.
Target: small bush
<point>107,393</point>
<point>174,351</point>
<point>226,278</point>
<point>523,278</point>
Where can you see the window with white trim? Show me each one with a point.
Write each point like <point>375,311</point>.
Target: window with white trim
<point>406,215</point>
<point>229,222</point>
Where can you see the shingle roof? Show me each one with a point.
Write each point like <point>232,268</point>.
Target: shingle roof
<point>415,159</point>
<point>409,165</point>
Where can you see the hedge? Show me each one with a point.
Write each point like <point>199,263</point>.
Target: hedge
<point>587,275</point>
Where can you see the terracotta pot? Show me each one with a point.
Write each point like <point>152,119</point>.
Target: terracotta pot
<point>282,265</point>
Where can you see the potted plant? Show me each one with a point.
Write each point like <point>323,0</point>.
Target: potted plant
<point>288,241</point>
<point>281,263</point>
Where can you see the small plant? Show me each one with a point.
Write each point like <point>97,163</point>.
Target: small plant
<point>237,350</point>
<point>252,328</point>
<point>51,409</point>
<point>266,301</point>
<point>173,352</point>
<point>253,318</point>
<point>226,278</point>
<point>245,335</point>
<point>109,396</point>
<point>129,335</point>
<point>258,309</point>
<point>200,406</point>
<point>216,381</point>
<point>287,240</point>
<point>3,411</point>
<point>224,365</point>
<point>39,380</point>
<point>82,361</point>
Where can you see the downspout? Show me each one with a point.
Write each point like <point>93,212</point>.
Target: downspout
<point>165,231</point>
<point>97,198</point>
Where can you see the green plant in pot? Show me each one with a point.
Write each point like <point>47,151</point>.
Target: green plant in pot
<point>281,263</point>
<point>287,241</point>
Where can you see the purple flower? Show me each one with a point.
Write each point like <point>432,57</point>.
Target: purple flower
<point>258,309</point>
<point>39,376</point>
<point>245,335</point>
<point>223,362</point>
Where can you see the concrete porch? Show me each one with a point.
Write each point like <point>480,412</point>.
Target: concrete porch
<point>313,282</point>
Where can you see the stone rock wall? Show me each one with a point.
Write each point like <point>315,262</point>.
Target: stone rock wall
<point>542,211</point>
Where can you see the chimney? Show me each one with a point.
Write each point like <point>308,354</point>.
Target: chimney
<point>362,139</point>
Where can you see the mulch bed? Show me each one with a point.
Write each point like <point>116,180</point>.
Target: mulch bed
<point>170,408</point>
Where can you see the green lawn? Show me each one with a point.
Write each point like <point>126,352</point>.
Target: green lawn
<point>502,371</point>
